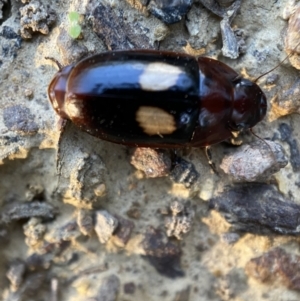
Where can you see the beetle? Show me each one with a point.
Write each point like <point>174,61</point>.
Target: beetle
<point>156,98</point>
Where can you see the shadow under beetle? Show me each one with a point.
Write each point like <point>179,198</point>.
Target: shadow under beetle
<point>156,99</point>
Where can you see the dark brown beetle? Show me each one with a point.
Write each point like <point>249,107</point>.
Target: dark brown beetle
<point>156,98</point>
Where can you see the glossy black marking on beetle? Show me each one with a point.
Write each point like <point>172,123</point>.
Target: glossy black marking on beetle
<point>156,99</point>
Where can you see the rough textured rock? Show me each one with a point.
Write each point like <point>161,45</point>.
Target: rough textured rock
<point>85,221</point>
<point>10,43</point>
<point>87,179</point>
<point>109,289</point>
<point>35,17</point>
<point>162,254</point>
<point>276,266</point>
<point>105,225</point>
<point>181,220</point>
<point>34,231</point>
<point>286,102</point>
<point>123,231</point>
<point>17,211</point>
<point>70,49</point>
<point>258,208</point>
<point>115,31</point>
<point>184,172</point>
<point>254,162</point>
<point>15,274</point>
<point>292,12</point>
<point>169,12</point>
<point>19,119</point>
<point>154,163</point>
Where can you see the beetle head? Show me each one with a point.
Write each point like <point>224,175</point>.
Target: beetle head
<point>249,105</point>
<point>57,90</point>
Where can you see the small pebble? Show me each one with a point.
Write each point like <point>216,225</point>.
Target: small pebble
<point>105,225</point>
<point>109,289</point>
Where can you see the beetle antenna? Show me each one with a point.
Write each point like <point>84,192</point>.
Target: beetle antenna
<point>251,131</point>
<point>58,64</point>
<point>280,63</point>
<point>263,140</point>
<point>255,81</point>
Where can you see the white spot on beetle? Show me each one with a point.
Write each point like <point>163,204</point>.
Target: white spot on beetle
<point>155,121</point>
<point>54,103</point>
<point>73,108</point>
<point>159,76</point>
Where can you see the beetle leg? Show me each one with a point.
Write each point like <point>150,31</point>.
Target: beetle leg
<point>208,154</point>
<point>157,45</point>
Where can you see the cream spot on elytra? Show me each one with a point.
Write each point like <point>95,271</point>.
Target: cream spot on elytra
<point>155,121</point>
<point>159,76</point>
<point>54,103</point>
<point>73,108</point>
